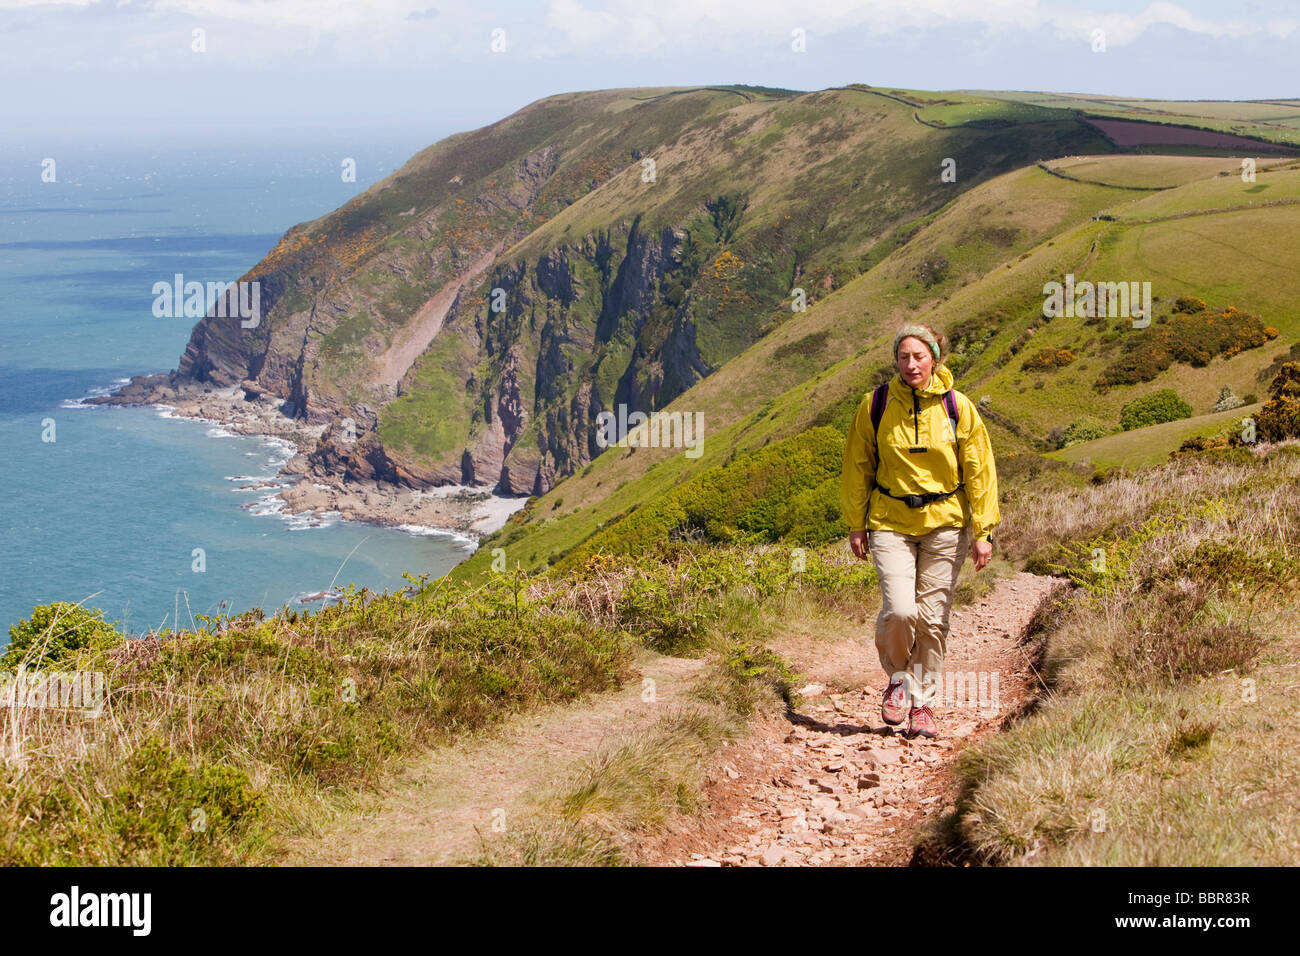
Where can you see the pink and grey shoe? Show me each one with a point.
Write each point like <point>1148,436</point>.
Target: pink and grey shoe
<point>892,707</point>
<point>920,722</point>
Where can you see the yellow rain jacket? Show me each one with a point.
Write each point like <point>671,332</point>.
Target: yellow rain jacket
<point>919,456</point>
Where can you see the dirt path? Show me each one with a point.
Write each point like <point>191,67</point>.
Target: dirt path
<point>829,785</point>
<point>833,784</point>
<point>433,812</point>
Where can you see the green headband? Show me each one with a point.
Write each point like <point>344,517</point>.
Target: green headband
<point>917,332</point>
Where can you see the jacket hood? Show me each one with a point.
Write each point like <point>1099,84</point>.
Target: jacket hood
<point>940,381</point>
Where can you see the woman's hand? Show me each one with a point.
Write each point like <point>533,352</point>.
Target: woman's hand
<point>980,552</point>
<point>858,541</point>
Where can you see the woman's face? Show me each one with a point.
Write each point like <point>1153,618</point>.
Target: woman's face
<point>915,361</point>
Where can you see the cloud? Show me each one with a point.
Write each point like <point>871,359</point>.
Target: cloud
<point>619,27</point>
<point>361,31</point>
<point>327,16</point>
<point>27,4</point>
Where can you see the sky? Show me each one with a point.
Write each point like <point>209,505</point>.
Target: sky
<point>162,71</point>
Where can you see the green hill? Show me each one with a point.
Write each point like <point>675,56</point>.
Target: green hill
<point>473,313</point>
<point>1191,230</point>
<point>742,255</point>
<point>1150,445</point>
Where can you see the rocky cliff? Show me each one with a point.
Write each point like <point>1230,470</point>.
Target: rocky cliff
<point>468,318</point>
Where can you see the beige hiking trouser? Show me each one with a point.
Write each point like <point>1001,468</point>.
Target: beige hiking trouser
<point>917,574</point>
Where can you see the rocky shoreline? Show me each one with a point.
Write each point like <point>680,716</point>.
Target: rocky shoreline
<point>471,513</point>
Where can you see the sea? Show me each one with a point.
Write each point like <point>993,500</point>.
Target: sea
<point>151,518</point>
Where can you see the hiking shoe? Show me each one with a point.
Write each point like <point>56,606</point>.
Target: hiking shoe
<point>891,708</point>
<point>920,721</point>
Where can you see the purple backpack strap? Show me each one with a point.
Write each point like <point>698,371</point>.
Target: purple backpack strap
<point>878,407</point>
<point>950,403</point>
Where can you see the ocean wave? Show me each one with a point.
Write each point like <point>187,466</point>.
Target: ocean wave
<point>98,391</point>
<point>307,520</point>
<point>425,531</point>
<point>267,486</point>
<point>265,505</point>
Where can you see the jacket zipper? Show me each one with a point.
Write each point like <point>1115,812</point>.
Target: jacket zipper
<point>916,411</point>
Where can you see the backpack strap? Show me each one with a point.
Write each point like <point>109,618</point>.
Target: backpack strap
<point>950,403</point>
<point>878,398</point>
<point>878,407</point>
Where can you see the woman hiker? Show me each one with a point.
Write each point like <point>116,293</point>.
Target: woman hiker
<point>918,498</point>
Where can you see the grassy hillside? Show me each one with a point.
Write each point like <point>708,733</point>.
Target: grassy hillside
<point>1152,444</point>
<point>1191,230</point>
<point>659,275</point>
<point>1166,733</point>
<point>217,746</point>
<point>477,310</point>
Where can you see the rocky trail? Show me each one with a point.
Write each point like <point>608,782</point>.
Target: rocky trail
<point>832,784</point>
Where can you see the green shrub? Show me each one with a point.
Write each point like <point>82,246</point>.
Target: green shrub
<point>1200,443</point>
<point>1154,409</point>
<point>1229,561</point>
<point>755,497</point>
<point>1280,417</point>
<point>753,663</point>
<point>812,517</point>
<point>1084,429</point>
<point>167,804</point>
<point>167,810</point>
<point>1269,373</point>
<point>1193,339</point>
<point>1045,360</point>
<point>55,632</point>
<point>1189,305</point>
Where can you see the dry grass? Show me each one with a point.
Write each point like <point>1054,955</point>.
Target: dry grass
<point>1168,733</point>
<point>212,742</point>
<point>1045,513</point>
<point>640,782</point>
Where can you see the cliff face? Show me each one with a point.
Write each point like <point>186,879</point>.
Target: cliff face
<point>546,366</point>
<point>568,365</point>
<point>467,319</point>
